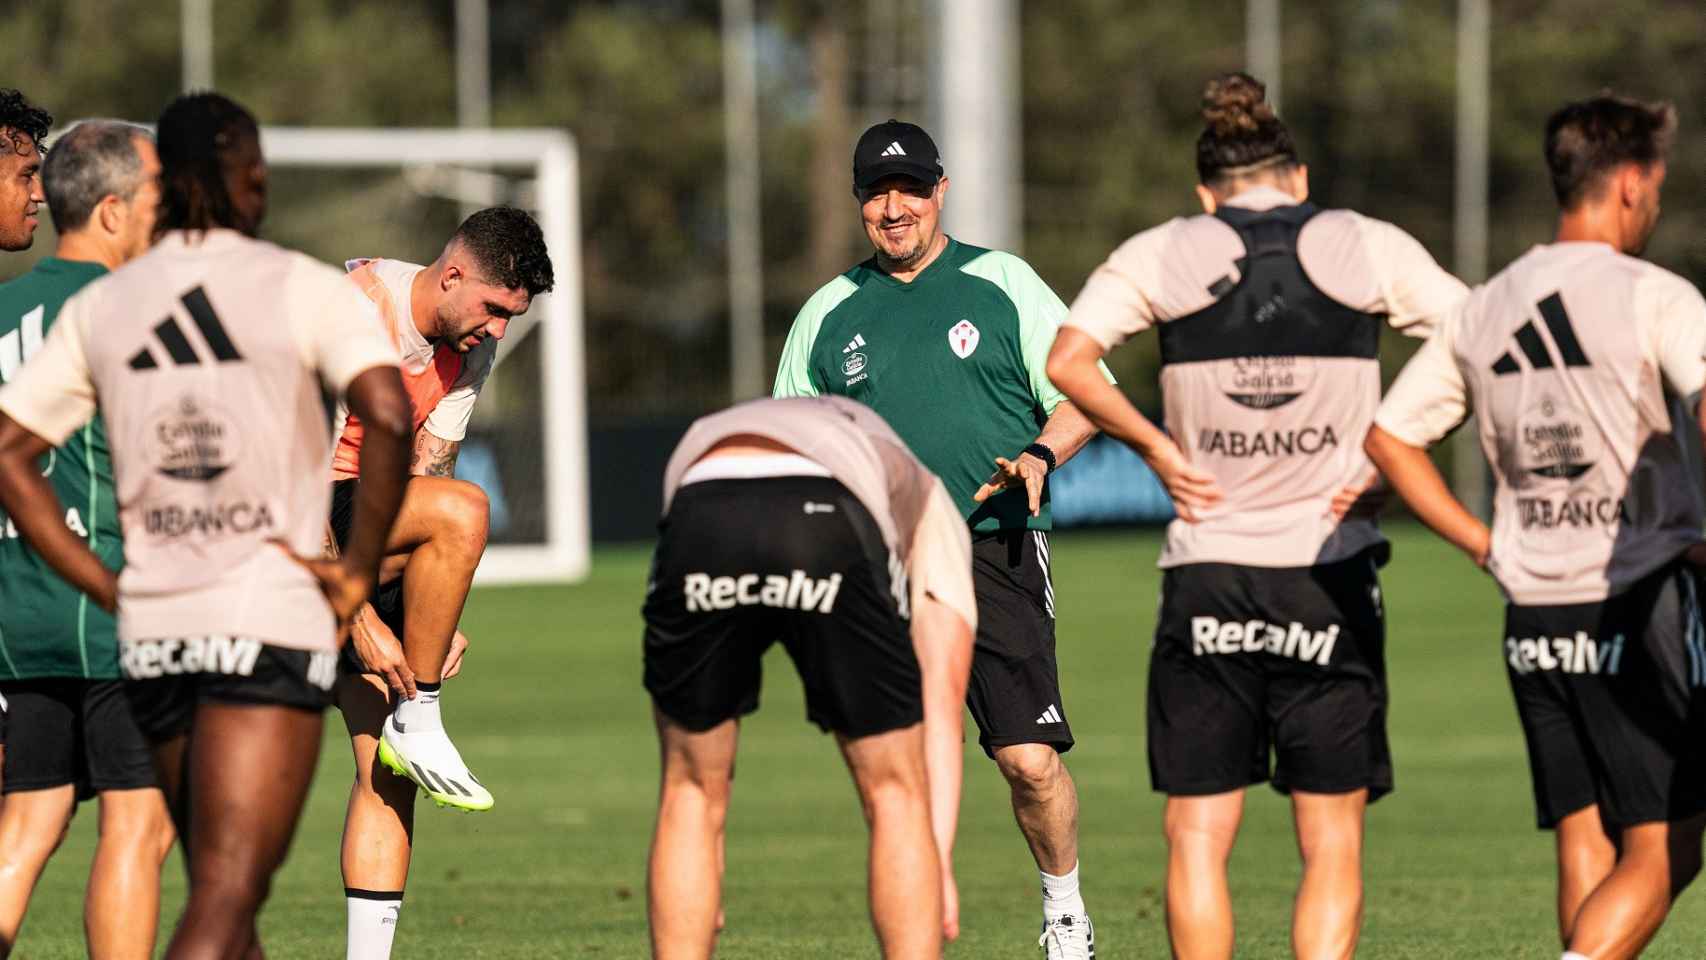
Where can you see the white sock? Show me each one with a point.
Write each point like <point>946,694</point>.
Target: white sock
<point>421,713</point>
<point>1573,955</point>
<point>373,920</point>
<point>1060,894</point>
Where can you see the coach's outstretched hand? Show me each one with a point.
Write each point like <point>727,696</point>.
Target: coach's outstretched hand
<point>1022,471</point>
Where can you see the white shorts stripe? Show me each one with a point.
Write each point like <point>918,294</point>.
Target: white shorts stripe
<point>1048,574</point>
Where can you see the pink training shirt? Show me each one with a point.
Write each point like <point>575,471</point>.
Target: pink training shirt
<point>210,358</point>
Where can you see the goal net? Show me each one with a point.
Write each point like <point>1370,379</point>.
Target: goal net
<point>342,193</point>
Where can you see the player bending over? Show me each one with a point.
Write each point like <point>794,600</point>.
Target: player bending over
<point>446,319</point>
<point>210,355</point>
<point>1578,360</point>
<point>804,520</point>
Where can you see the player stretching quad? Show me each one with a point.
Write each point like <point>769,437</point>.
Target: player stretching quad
<point>808,521</point>
<point>23,134</point>
<point>211,355</point>
<point>947,342</point>
<point>1270,638</point>
<point>74,736</point>
<point>446,319</point>
<point>1580,362</point>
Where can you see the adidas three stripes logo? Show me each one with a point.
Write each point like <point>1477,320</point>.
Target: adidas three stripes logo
<point>437,781</point>
<point>1533,347</point>
<point>177,344</point>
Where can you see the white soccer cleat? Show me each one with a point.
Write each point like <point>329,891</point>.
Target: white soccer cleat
<point>429,759</point>
<point>1069,938</point>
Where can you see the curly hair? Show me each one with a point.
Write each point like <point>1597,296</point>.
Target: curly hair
<point>509,248</point>
<point>196,135</point>
<point>1240,130</point>
<point>19,116</point>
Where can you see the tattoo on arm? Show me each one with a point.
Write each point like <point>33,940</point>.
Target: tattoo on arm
<point>433,456</point>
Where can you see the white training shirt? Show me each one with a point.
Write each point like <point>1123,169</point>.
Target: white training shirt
<point>207,356</point>
<point>1573,359</point>
<point>1280,435</point>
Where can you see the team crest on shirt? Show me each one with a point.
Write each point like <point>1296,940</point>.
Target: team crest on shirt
<point>1556,441</point>
<point>854,363</point>
<point>962,339</point>
<point>192,439</point>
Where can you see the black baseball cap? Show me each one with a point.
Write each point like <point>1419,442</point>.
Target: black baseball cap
<point>895,147</point>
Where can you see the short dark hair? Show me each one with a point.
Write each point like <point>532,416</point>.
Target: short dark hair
<point>1241,132</point>
<point>18,115</point>
<point>196,135</point>
<point>509,248</point>
<point>91,161</point>
<point>1588,139</point>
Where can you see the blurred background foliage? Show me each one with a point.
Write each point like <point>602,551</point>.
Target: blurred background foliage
<point>1109,91</point>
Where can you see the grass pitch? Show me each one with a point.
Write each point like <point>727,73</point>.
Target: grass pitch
<point>551,713</point>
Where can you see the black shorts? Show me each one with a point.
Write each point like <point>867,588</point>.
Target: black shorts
<point>387,598</point>
<point>1014,691</point>
<point>167,678</point>
<point>1611,697</point>
<point>741,564</point>
<point>1250,661</point>
<point>74,731</point>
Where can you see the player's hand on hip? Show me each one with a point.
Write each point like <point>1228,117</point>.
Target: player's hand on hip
<point>381,652</point>
<point>1024,471</point>
<point>1365,497</point>
<point>453,659</point>
<point>1191,488</point>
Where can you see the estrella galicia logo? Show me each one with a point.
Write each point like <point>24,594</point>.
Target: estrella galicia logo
<point>1263,383</point>
<point>192,440</point>
<point>1555,442</point>
<point>854,363</point>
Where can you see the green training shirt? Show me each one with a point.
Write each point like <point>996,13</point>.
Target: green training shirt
<point>953,360</point>
<point>47,627</point>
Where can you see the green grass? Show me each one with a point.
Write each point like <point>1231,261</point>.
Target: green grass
<point>551,712</point>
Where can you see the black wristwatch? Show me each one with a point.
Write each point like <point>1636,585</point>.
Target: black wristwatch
<point>1043,453</point>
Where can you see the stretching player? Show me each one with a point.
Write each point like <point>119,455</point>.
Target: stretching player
<point>211,355</point>
<point>74,736</point>
<point>802,521</point>
<point>1580,361</point>
<point>445,319</point>
<point>1271,637</point>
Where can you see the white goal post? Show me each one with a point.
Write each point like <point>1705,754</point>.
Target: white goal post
<point>549,157</point>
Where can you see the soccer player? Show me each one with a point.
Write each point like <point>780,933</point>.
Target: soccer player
<point>23,136</point>
<point>73,734</point>
<point>1580,361</point>
<point>1270,638</point>
<point>445,320</point>
<point>211,355</point>
<point>947,342</point>
<point>808,521</point>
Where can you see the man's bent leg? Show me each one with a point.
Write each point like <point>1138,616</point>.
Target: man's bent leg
<point>441,526</point>
<point>906,890</point>
<point>1200,832</point>
<point>1656,862</point>
<point>1045,802</point>
<point>684,876</point>
<point>32,823</point>
<point>378,824</point>
<point>244,807</point>
<point>1327,918</point>
<point>121,912</point>
<point>1586,856</point>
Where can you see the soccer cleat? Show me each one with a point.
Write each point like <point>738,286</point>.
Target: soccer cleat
<point>1069,938</point>
<point>429,759</point>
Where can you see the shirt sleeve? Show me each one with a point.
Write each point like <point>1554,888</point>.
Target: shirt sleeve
<point>1416,292</point>
<point>939,565</point>
<point>1675,314</point>
<point>449,419</point>
<point>54,394</point>
<point>1116,303</point>
<point>339,332</point>
<point>1429,398</point>
<point>794,372</point>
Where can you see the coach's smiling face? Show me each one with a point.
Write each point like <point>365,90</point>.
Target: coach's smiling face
<point>474,309</point>
<point>903,218</point>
